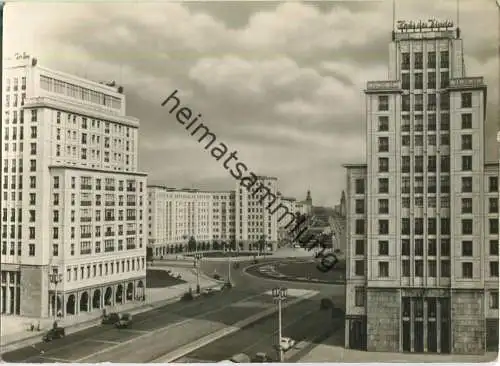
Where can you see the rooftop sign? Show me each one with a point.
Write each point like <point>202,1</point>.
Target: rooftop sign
<point>419,25</point>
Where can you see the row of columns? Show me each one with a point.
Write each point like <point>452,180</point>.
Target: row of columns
<point>10,293</point>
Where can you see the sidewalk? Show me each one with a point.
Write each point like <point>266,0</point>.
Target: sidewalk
<point>332,350</point>
<point>15,332</point>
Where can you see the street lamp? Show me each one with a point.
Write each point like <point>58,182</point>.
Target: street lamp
<point>279,295</point>
<point>55,278</point>
<point>197,259</point>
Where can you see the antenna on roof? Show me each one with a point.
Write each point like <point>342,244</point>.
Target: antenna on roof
<point>393,14</point>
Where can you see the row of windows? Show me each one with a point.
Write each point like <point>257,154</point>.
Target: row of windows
<point>466,141</point>
<point>14,82</point>
<point>418,125</point>
<point>418,80</point>
<point>418,103</point>
<point>467,226</point>
<point>418,60</point>
<point>419,248</point>
<point>383,268</point>
<point>104,269</point>
<point>130,185</point>
<point>383,205</point>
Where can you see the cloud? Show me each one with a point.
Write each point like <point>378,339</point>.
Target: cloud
<point>280,82</point>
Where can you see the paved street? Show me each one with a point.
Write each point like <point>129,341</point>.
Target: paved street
<point>302,322</point>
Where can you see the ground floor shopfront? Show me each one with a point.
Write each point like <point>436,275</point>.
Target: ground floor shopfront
<point>26,291</point>
<point>422,321</point>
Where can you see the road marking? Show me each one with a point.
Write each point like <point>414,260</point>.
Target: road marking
<point>57,359</point>
<point>103,341</point>
<point>159,330</point>
<point>137,331</point>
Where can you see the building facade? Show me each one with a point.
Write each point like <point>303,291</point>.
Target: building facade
<point>422,215</point>
<point>73,221</point>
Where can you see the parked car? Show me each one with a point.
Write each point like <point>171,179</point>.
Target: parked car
<point>110,318</point>
<point>286,343</point>
<point>326,304</point>
<point>216,276</point>
<point>262,357</point>
<point>241,358</point>
<point>54,333</point>
<point>208,291</point>
<point>125,321</point>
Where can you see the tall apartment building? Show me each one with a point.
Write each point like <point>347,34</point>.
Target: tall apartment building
<point>254,220</point>
<point>73,219</point>
<point>223,216</point>
<point>176,215</point>
<point>422,214</point>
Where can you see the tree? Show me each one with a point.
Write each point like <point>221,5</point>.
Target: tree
<point>233,244</point>
<point>192,244</point>
<point>215,245</point>
<point>261,243</point>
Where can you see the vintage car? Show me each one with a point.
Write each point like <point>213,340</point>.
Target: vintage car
<point>54,333</point>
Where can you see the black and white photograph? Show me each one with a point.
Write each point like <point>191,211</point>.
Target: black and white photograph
<point>250,181</point>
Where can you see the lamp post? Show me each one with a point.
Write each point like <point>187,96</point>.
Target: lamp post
<point>279,295</point>
<point>55,278</point>
<point>197,259</point>
<point>228,263</point>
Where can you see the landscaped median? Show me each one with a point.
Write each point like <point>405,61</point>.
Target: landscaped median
<point>203,341</point>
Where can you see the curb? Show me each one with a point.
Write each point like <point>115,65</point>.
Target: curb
<point>89,323</point>
<point>172,356</point>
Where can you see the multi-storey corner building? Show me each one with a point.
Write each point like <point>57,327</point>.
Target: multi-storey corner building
<point>422,214</point>
<point>255,219</point>
<point>73,203</point>
<point>176,215</point>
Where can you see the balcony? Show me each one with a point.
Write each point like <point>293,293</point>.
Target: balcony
<point>131,204</point>
<point>129,218</point>
<point>383,86</point>
<point>109,233</point>
<point>109,249</point>
<point>131,246</point>
<point>467,83</point>
<point>85,187</point>
<point>86,219</point>
<point>85,251</point>
<point>109,188</point>
<point>109,218</point>
<point>86,235</point>
<point>131,189</point>
<point>85,203</point>
<point>131,232</point>
<point>110,203</point>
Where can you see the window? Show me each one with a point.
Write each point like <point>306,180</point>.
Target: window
<point>444,59</point>
<point>494,269</point>
<point>431,80</point>
<point>405,163</point>
<point>33,115</point>
<point>405,81</point>
<point>445,225</point>
<point>445,79</point>
<point>419,164</point>
<point>383,123</point>
<point>467,270</point>
<point>467,248</point>
<point>466,184</point>
<point>383,227</point>
<point>418,60</point>
<point>383,247</point>
<point>31,250</point>
<point>360,227</point>
<point>466,121</point>
<point>419,268</point>
<point>359,268</point>
<point>431,60</point>
<point>405,226</point>
<point>431,247</point>
<point>467,226</point>
<point>494,300</point>
<point>466,205</point>
<point>360,247</point>
<point>445,102</point>
<point>432,270</point>
<point>405,101</point>
<point>445,247</point>
<point>360,186</point>
<point>360,206</point>
<point>466,99</point>
<point>405,268</point>
<point>383,144</point>
<point>431,102</point>
<point>431,140</point>
<point>445,163</point>
<point>405,140</point>
<point>383,165</point>
<point>493,226</point>
<point>431,226</point>
<point>466,142</point>
<point>405,61</point>
<point>383,206</point>
<point>383,185</point>
<point>493,184</point>
<point>383,103</point>
<point>383,269</point>
<point>445,268</point>
<point>431,163</point>
<point>493,247</point>
<point>359,297</point>
<point>419,102</point>
<point>419,81</point>
<point>467,163</point>
<point>493,205</point>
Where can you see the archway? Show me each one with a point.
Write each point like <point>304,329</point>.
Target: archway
<point>84,301</point>
<point>140,291</point>
<point>70,305</point>
<point>119,294</point>
<point>107,296</point>
<point>96,299</point>
<point>130,291</point>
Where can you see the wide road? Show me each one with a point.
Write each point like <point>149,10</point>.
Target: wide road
<point>163,330</point>
<point>303,322</point>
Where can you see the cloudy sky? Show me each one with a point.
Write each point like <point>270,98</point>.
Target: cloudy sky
<point>280,82</point>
